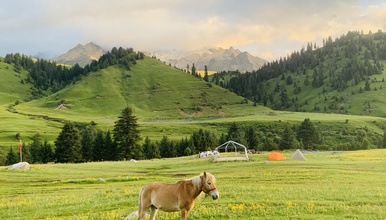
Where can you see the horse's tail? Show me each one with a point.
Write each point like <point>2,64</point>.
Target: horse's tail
<point>140,202</point>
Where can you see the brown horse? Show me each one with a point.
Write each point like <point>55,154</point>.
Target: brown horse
<point>175,197</point>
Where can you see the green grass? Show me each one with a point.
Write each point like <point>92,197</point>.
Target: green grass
<point>168,102</point>
<point>153,89</point>
<point>11,89</point>
<point>347,185</point>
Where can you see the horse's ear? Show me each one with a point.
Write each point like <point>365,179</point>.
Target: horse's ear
<point>204,174</point>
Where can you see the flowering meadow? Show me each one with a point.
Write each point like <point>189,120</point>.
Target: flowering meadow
<point>329,185</point>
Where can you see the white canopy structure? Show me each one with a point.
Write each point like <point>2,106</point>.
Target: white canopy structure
<point>231,151</point>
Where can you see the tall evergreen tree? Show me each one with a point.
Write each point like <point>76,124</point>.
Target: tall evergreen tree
<point>87,143</point>
<point>98,149</point>
<point>288,139</point>
<point>367,85</point>
<point>110,147</point>
<point>193,70</point>
<point>155,150</point>
<point>307,133</point>
<point>251,138</point>
<point>68,145</point>
<point>46,152</point>
<point>206,75</point>
<point>127,136</point>
<point>147,148</point>
<point>35,149</point>
<point>11,157</point>
<point>235,133</point>
<point>164,147</point>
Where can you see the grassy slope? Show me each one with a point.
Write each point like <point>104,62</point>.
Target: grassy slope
<point>326,186</point>
<point>11,90</point>
<point>154,90</point>
<point>353,101</point>
<point>163,98</point>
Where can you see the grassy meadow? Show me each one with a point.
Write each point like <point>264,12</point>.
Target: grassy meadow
<point>329,185</point>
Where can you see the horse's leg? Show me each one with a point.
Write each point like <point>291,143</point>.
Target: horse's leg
<point>184,214</point>
<point>153,213</point>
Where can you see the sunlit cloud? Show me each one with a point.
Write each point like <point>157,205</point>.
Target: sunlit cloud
<point>269,28</point>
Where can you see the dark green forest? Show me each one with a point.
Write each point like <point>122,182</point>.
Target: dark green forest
<point>341,63</point>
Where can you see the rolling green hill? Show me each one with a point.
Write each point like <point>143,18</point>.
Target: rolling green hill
<point>344,76</point>
<point>11,89</point>
<point>163,99</point>
<point>155,90</point>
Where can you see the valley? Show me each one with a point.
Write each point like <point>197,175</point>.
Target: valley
<point>172,103</point>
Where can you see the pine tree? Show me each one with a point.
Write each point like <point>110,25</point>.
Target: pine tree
<point>46,152</point>
<point>193,70</point>
<point>98,147</point>
<point>164,147</point>
<point>147,148</point>
<point>68,145</point>
<point>127,136</point>
<point>251,138</point>
<point>110,147</point>
<point>87,143</point>
<point>288,140</point>
<point>367,85</point>
<point>155,150</point>
<point>35,149</point>
<point>235,133</point>
<point>307,133</point>
<point>11,157</point>
<point>206,76</point>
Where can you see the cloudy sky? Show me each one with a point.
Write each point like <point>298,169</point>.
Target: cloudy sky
<point>265,28</point>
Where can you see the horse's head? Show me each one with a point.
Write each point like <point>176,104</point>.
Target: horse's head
<point>208,185</point>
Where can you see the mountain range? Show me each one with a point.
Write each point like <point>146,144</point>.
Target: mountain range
<point>81,54</point>
<point>216,59</point>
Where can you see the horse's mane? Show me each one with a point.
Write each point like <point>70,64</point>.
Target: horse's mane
<point>197,179</point>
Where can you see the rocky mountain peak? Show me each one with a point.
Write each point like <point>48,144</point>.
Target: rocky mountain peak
<point>81,54</point>
<point>216,59</point>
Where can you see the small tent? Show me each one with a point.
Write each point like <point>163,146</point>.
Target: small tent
<point>298,155</point>
<point>276,156</point>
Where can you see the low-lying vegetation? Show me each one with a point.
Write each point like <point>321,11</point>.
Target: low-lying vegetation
<point>329,185</point>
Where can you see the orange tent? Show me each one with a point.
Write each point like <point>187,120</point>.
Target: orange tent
<point>276,156</point>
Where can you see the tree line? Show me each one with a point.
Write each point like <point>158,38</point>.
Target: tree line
<point>47,75</point>
<point>85,143</point>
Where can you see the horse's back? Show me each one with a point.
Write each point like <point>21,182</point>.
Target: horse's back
<point>163,196</point>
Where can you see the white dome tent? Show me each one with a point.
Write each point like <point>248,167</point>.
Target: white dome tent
<point>231,151</point>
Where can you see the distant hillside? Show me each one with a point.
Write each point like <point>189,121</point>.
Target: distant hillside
<point>13,87</point>
<point>156,91</point>
<point>216,59</point>
<point>80,54</point>
<point>346,75</point>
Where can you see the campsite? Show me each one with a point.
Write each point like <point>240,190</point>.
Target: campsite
<point>329,185</point>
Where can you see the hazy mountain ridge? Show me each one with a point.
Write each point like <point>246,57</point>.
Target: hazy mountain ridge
<point>216,59</point>
<point>81,54</point>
